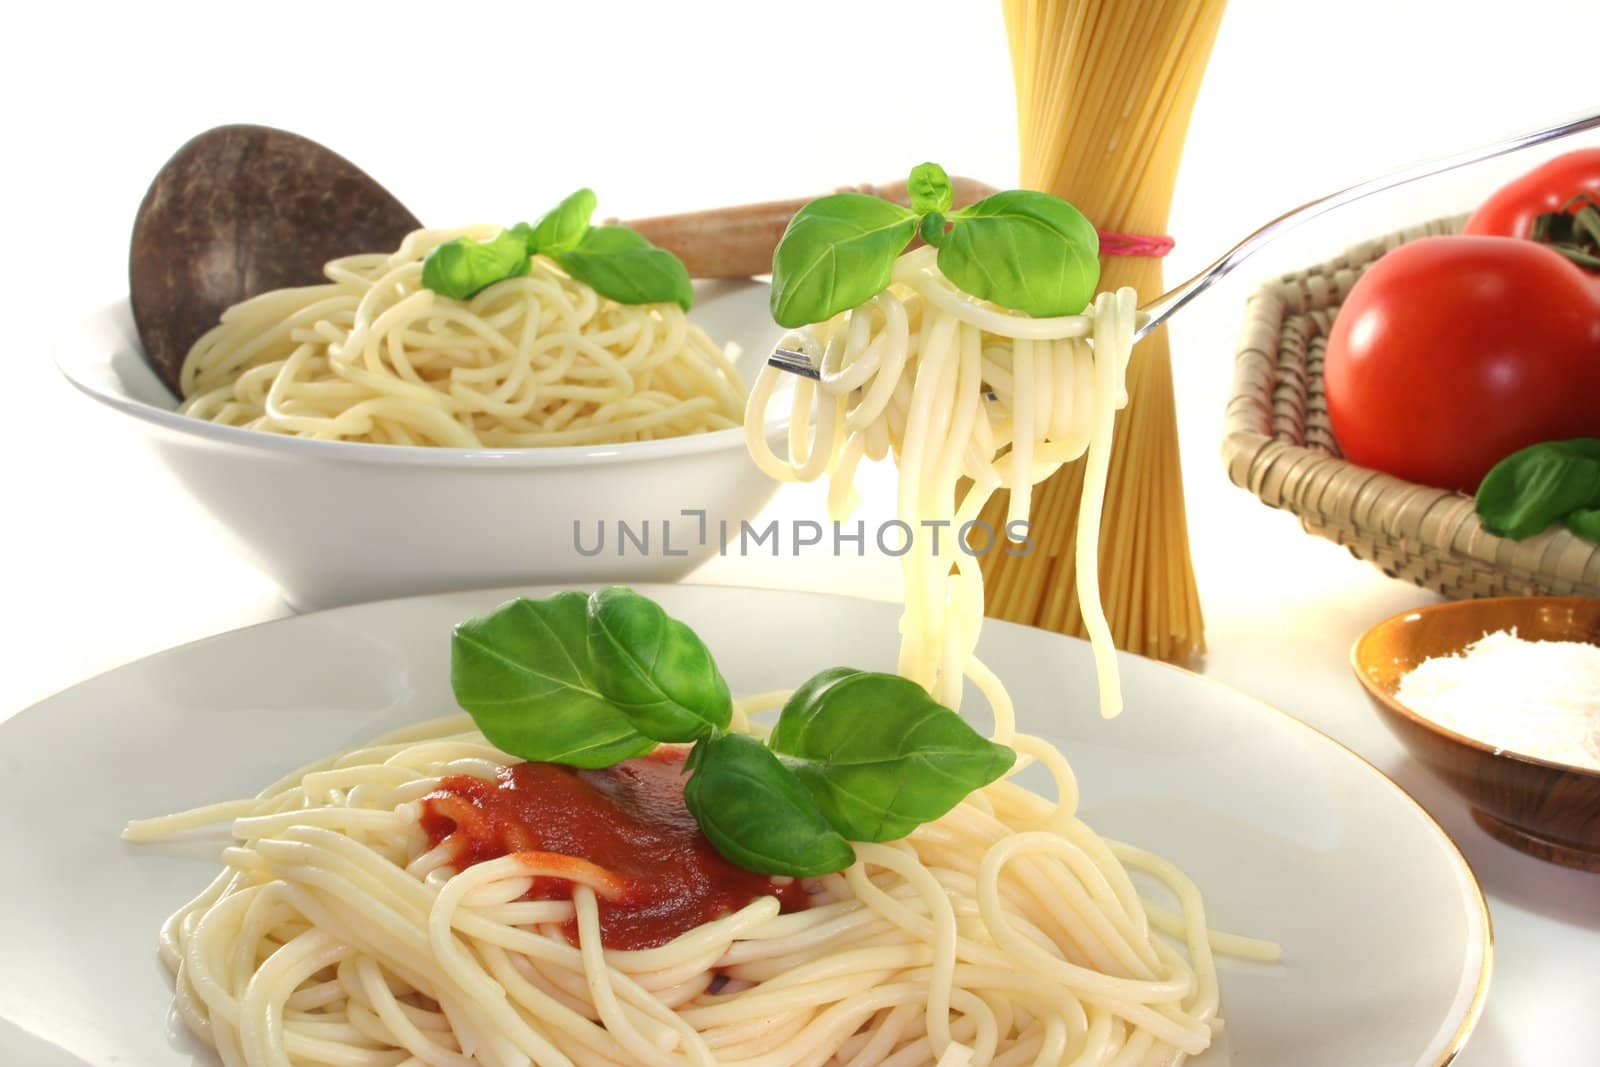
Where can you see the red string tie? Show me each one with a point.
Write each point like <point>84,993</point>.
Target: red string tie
<point>1134,244</point>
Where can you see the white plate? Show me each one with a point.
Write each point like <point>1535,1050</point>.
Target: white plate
<point>1289,835</point>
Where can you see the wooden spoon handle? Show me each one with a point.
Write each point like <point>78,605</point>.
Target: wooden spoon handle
<point>737,242</point>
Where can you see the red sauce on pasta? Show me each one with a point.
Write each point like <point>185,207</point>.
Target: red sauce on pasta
<point>658,876</point>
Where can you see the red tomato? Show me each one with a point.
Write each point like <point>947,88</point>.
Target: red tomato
<point>1451,353</point>
<point>1510,211</point>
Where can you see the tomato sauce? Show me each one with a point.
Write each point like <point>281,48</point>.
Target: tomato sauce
<point>629,820</point>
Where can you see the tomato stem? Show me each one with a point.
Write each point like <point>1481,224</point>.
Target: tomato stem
<point>1573,232</point>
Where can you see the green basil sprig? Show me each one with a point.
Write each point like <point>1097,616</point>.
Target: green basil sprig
<point>463,268</point>
<point>562,227</point>
<point>1585,522</point>
<point>614,261</point>
<point>1532,488</point>
<point>619,263</point>
<point>929,189</point>
<point>591,681</point>
<point>525,674</point>
<point>1024,250</point>
<point>655,669</point>
<point>879,755</point>
<point>836,253</point>
<point>756,814</point>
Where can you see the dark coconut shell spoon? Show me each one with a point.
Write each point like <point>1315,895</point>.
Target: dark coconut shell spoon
<point>239,211</point>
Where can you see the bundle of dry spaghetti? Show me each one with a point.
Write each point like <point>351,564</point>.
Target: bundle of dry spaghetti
<point>1104,94</point>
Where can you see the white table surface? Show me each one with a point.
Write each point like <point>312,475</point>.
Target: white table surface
<point>475,112</point>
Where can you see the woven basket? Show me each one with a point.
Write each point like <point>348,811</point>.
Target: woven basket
<point>1277,443</point>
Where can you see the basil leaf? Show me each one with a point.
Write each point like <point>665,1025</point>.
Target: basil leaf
<point>1023,250</point>
<point>879,755</point>
<point>620,264</point>
<point>463,268</point>
<point>930,189</point>
<point>561,228</point>
<point>756,815</point>
<point>836,253</point>
<point>654,668</point>
<point>1585,522</point>
<point>523,673</point>
<point>1530,489</point>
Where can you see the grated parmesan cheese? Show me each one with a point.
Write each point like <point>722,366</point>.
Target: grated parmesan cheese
<point>1534,698</point>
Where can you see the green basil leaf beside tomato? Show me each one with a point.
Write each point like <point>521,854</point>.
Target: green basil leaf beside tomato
<point>624,266</point>
<point>523,673</point>
<point>654,668</point>
<point>1023,250</point>
<point>837,253</point>
<point>462,268</point>
<point>929,189</point>
<point>1532,488</point>
<point>1585,523</point>
<point>561,228</point>
<point>879,755</point>
<point>756,814</point>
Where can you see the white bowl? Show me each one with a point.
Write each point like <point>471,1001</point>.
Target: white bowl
<point>337,523</point>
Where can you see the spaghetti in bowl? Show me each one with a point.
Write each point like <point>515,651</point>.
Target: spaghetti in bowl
<point>337,522</point>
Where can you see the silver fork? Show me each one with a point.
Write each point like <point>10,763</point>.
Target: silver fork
<point>1167,304</point>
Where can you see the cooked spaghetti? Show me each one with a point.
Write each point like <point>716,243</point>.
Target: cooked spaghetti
<point>907,372</point>
<point>1004,933</point>
<point>971,400</point>
<point>1119,164</point>
<point>534,361</point>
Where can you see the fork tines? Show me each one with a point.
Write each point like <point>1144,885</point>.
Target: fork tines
<point>787,359</point>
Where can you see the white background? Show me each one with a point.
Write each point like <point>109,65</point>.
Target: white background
<point>474,112</point>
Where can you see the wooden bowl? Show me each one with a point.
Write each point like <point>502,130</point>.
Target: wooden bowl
<point>1547,809</point>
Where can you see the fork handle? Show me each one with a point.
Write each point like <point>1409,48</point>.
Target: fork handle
<point>737,242</point>
<point>1164,306</point>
